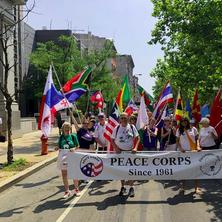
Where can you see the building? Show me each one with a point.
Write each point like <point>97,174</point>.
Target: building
<point>11,28</point>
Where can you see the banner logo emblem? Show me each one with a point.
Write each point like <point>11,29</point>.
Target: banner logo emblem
<point>91,166</point>
<point>210,164</point>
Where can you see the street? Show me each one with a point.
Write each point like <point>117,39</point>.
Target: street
<point>39,198</point>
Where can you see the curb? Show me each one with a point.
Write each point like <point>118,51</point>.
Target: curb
<point>25,173</point>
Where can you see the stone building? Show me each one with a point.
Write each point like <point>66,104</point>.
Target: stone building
<point>11,16</point>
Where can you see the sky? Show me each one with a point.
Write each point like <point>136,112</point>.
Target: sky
<point>128,22</point>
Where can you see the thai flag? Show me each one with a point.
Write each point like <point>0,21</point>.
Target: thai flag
<point>52,101</point>
<point>165,98</point>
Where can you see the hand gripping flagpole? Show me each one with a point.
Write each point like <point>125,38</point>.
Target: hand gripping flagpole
<point>70,112</point>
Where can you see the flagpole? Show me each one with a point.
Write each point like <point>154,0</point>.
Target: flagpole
<point>70,112</point>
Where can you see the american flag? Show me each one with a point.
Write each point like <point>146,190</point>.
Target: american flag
<point>113,121</point>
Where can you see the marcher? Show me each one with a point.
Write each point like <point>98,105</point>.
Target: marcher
<point>168,135</point>
<point>187,138</point>
<point>122,140</point>
<point>150,136</point>
<point>85,137</point>
<point>67,142</point>
<point>99,133</point>
<point>208,135</point>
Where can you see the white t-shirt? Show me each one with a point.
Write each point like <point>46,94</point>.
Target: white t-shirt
<point>99,134</point>
<point>184,141</point>
<point>124,136</point>
<point>206,138</point>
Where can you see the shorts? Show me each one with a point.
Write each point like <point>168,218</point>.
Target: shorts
<point>62,159</point>
<point>171,147</point>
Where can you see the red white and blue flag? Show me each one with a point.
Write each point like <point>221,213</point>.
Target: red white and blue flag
<point>113,121</point>
<point>52,101</point>
<point>76,86</point>
<point>131,107</point>
<point>165,98</point>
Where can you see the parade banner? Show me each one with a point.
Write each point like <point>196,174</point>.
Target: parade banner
<point>145,166</point>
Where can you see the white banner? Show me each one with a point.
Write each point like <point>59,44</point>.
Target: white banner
<point>146,166</point>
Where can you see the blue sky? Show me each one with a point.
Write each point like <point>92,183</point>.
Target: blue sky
<point>128,22</point>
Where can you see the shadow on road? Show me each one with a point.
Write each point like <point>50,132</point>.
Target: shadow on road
<point>11,212</point>
<point>30,185</point>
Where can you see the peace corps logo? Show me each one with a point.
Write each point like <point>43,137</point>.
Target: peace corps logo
<point>91,166</point>
<point>210,164</point>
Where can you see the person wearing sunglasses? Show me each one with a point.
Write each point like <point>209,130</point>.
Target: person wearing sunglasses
<point>122,140</point>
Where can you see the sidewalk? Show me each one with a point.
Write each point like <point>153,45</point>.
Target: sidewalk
<point>29,148</point>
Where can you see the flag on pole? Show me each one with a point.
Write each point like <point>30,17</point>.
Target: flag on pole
<point>147,97</point>
<point>97,98</point>
<point>52,101</point>
<point>142,118</point>
<point>131,107</point>
<point>113,121</point>
<point>165,98</point>
<point>179,108</point>
<point>204,110</point>
<point>77,86</point>
<point>124,94</point>
<point>196,108</point>
<point>188,110</point>
<point>215,114</point>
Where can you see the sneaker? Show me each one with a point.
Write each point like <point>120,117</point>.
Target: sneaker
<point>131,192</point>
<point>76,192</point>
<point>122,191</point>
<point>67,194</point>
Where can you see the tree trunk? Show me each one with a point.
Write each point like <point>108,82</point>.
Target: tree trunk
<point>9,129</point>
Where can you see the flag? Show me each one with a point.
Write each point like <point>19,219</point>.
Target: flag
<point>215,114</point>
<point>147,97</point>
<point>131,107</point>
<point>113,121</point>
<point>52,101</point>
<point>188,110</point>
<point>165,98</point>
<point>142,118</point>
<point>204,110</point>
<point>179,108</point>
<point>97,98</point>
<point>196,109</point>
<point>76,86</point>
<point>124,94</point>
<point>160,120</point>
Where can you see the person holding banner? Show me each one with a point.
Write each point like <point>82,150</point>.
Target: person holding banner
<point>122,140</point>
<point>67,143</point>
<point>150,136</point>
<point>208,135</point>
<point>187,140</point>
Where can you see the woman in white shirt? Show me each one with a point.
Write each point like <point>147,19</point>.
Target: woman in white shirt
<point>187,138</point>
<point>208,135</point>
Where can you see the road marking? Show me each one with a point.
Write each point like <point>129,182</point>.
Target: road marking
<point>73,203</point>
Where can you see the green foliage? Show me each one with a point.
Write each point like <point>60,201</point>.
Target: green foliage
<point>17,165</point>
<point>68,60</point>
<point>190,33</point>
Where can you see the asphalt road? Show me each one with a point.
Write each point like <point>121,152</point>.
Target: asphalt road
<point>38,198</point>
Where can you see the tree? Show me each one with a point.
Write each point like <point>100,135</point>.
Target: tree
<point>8,42</point>
<point>68,60</point>
<point>190,35</point>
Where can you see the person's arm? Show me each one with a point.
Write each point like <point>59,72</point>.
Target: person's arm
<point>163,135</point>
<point>117,149</point>
<point>214,134</point>
<point>135,148</point>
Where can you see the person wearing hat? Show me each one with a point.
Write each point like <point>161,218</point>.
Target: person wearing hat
<point>99,133</point>
<point>208,135</point>
<point>122,140</point>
